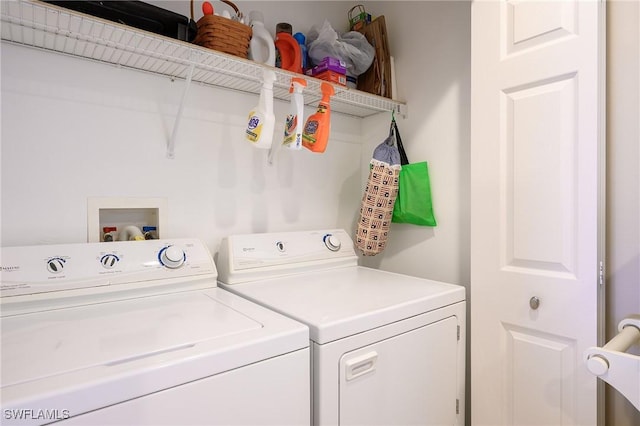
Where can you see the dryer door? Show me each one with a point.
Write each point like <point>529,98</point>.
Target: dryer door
<point>408,379</point>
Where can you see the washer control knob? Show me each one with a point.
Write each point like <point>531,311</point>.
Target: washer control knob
<point>332,242</point>
<point>55,265</point>
<point>172,257</point>
<point>108,261</point>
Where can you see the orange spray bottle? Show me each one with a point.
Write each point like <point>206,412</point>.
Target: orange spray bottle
<point>318,126</point>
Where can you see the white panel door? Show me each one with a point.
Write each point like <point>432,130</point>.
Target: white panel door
<point>535,210</point>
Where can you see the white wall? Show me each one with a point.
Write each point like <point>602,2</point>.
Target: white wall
<point>430,42</point>
<point>73,129</point>
<point>101,132</point>
<point>301,14</point>
<point>623,183</point>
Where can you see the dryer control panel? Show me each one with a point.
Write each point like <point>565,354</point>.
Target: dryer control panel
<point>49,269</point>
<point>247,257</point>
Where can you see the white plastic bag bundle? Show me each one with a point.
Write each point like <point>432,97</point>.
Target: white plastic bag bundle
<point>353,48</point>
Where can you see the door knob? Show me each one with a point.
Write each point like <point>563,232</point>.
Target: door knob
<point>534,303</point>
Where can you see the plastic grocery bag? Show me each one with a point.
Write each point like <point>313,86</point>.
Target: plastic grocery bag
<point>353,48</point>
<point>413,204</point>
<point>379,198</point>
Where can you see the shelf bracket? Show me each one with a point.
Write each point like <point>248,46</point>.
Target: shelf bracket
<point>400,109</point>
<point>174,134</point>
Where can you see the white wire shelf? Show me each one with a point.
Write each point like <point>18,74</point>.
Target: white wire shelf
<point>45,26</point>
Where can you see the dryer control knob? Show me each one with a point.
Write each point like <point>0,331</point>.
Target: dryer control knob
<point>332,242</point>
<point>55,265</point>
<point>172,257</point>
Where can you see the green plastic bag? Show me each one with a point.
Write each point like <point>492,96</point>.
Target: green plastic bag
<point>413,203</point>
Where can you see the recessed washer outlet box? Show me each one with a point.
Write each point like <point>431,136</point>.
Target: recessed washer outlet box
<point>125,214</point>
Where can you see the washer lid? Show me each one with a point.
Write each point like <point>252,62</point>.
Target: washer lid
<point>341,302</point>
<point>119,350</point>
<point>48,343</point>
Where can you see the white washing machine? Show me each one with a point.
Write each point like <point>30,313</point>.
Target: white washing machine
<point>386,349</point>
<point>131,333</point>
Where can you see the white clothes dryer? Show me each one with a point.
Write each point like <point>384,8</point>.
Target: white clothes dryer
<point>386,349</point>
<point>131,333</point>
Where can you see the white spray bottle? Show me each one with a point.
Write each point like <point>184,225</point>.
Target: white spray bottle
<point>261,118</point>
<point>295,121</point>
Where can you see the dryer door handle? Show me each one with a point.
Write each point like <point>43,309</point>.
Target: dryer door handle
<point>361,365</point>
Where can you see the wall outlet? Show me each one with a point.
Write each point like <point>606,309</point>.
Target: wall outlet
<point>117,218</point>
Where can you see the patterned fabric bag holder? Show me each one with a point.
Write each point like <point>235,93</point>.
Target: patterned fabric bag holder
<point>376,209</point>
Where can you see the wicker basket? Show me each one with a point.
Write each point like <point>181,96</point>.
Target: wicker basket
<point>223,34</point>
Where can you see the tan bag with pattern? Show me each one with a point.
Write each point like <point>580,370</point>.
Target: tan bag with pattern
<point>376,209</point>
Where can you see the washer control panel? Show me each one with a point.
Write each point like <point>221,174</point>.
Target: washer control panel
<point>42,269</point>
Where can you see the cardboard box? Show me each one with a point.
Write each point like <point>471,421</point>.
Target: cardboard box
<point>333,77</point>
<point>329,63</point>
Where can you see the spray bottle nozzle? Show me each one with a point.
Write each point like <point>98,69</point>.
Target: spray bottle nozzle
<point>300,82</point>
<point>268,77</point>
<point>327,91</point>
